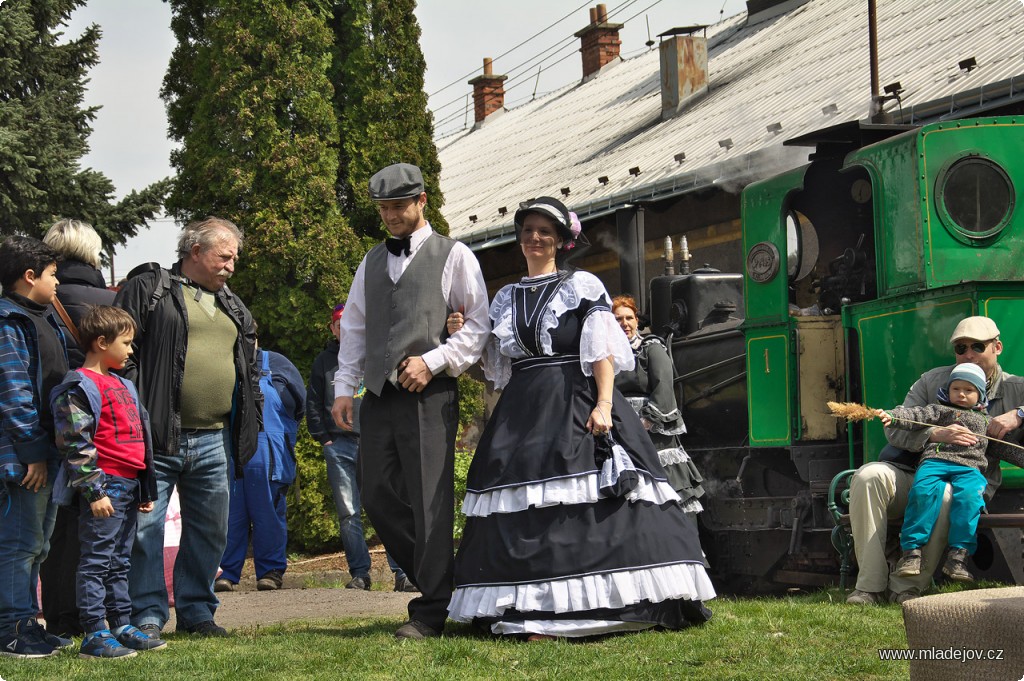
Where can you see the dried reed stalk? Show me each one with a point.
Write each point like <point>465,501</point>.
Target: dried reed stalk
<point>851,411</point>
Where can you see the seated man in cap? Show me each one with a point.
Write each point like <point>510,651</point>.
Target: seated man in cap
<point>879,489</point>
<point>393,336</point>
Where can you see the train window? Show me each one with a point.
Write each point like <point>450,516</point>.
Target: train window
<point>975,197</point>
<point>801,245</point>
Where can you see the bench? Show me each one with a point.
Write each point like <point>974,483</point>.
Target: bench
<point>842,538</point>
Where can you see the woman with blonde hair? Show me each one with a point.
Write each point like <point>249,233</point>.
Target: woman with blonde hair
<point>81,286</point>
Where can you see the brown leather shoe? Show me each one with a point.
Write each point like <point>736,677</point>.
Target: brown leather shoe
<point>859,597</point>
<point>416,630</point>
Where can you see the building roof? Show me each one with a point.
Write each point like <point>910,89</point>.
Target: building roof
<point>783,65</point>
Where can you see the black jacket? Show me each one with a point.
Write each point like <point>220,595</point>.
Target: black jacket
<point>158,365</point>
<point>320,399</point>
<point>81,286</point>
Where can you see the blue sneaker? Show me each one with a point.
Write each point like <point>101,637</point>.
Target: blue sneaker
<point>102,644</point>
<point>132,637</point>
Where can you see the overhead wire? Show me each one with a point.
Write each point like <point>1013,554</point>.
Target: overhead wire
<point>525,69</point>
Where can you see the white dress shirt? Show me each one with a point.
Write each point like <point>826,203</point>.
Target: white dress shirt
<point>462,284</point>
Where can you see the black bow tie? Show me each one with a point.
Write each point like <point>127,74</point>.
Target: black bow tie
<point>397,246</point>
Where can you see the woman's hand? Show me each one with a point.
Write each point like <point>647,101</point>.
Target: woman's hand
<point>600,421</point>
<point>883,416</point>
<point>455,322</point>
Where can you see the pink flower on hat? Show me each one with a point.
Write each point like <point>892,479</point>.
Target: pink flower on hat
<point>574,228</point>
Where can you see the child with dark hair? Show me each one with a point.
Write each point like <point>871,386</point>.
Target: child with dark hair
<point>102,433</point>
<point>33,359</point>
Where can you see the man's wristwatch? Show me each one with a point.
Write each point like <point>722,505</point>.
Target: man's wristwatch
<point>1020,414</point>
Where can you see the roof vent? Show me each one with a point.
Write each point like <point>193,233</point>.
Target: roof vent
<point>684,68</point>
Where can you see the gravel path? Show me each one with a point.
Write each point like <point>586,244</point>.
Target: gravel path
<point>247,607</point>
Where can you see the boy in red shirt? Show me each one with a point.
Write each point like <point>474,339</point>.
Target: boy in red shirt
<point>102,433</point>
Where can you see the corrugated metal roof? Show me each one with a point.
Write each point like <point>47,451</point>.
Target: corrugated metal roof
<point>783,66</point>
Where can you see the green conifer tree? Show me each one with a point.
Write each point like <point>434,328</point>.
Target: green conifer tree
<point>381,106</point>
<point>44,129</point>
<point>248,96</point>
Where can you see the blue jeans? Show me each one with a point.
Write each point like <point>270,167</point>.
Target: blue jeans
<point>342,456</point>
<point>200,471</point>
<point>925,499</point>
<point>26,521</point>
<point>106,543</point>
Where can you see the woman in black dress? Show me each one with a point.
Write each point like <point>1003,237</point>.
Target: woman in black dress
<point>648,388</point>
<point>568,535</point>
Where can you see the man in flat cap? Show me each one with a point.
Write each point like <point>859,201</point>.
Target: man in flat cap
<point>393,335</point>
<point>878,490</point>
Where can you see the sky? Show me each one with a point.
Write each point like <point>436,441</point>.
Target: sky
<point>129,140</point>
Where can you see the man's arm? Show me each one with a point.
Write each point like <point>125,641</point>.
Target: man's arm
<point>133,298</point>
<point>467,293</point>
<point>315,404</point>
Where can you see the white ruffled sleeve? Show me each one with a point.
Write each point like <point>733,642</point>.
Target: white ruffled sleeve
<point>497,365</point>
<point>601,338</point>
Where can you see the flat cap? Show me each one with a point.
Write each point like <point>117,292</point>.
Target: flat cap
<point>398,181</point>
<point>975,328</point>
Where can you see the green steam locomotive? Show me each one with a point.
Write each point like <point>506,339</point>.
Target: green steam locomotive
<point>857,267</point>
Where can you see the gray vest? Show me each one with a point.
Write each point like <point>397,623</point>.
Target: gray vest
<point>407,318</point>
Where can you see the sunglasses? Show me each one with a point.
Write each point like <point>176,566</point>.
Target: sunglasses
<point>977,347</point>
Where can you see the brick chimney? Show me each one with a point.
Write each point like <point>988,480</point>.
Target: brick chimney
<point>599,41</point>
<point>684,68</point>
<point>488,93</point>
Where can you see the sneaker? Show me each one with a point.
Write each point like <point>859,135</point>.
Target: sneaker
<point>903,596</point>
<point>103,644</point>
<point>909,564</point>
<point>131,637</point>
<point>360,582</point>
<point>54,641</point>
<point>151,630</point>
<point>955,566</point>
<point>220,585</point>
<point>25,642</point>
<point>859,597</point>
<point>207,628</point>
<point>403,584</point>
<point>416,630</point>
<point>270,581</point>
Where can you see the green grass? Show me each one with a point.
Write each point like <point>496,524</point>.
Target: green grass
<point>799,637</point>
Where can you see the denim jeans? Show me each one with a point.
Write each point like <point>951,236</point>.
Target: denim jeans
<point>106,546</point>
<point>26,521</point>
<point>200,471</point>
<point>342,456</point>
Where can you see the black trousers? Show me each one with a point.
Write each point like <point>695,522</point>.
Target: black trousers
<point>406,481</point>
<point>58,574</point>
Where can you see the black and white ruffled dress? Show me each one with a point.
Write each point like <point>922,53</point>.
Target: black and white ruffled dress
<point>546,550</point>
<point>649,389</point>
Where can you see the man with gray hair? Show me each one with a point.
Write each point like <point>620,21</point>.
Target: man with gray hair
<point>194,364</point>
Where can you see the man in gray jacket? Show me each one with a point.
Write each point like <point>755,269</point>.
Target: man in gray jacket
<point>879,489</point>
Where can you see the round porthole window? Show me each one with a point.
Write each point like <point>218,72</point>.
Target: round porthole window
<point>974,198</point>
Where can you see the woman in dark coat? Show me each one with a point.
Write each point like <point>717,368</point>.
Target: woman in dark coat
<point>81,286</point>
<point>648,388</point>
